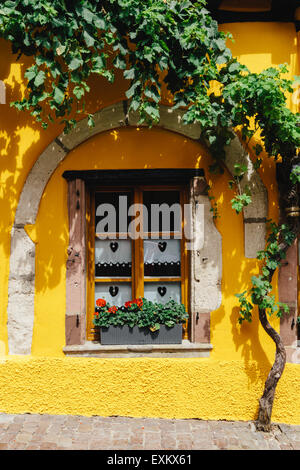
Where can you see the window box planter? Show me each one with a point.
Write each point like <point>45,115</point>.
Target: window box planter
<point>140,321</point>
<point>126,335</point>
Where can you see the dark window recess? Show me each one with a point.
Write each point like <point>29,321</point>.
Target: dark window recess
<point>166,176</point>
<point>120,201</point>
<point>163,211</point>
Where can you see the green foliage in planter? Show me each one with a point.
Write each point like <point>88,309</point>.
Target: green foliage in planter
<point>141,313</point>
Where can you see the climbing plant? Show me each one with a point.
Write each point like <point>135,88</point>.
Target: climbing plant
<point>175,44</point>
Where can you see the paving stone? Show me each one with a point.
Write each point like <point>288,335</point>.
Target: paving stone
<point>24,437</point>
<point>206,446</point>
<point>15,428</point>
<point>3,446</point>
<point>169,443</point>
<point>6,418</point>
<point>199,426</point>
<point>48,446</point>
<point>46,432</point>
<point>221,443</point>
<point>19,418</point>
<point>65,442</point>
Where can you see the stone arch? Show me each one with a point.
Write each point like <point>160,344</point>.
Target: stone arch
<point>22,259</point>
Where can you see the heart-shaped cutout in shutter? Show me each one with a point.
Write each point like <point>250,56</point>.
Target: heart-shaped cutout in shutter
<point>162,290</point>
<point>162,246</point>
<point>113,290</point>
<point>114,246</point>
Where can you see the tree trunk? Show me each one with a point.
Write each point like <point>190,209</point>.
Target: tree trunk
<point>266,402</point>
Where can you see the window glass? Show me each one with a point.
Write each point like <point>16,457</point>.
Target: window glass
<point>115,293</point>
<point>162,257</point>
<point>163,211</point>
<point>162,292</point>
<point>113,258</point>
<point>111,211</point>
<point>123,267</point>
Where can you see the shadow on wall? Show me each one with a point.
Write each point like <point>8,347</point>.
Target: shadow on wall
<point>13,154</point>
<point>22,140</point>
<point>248,340</point>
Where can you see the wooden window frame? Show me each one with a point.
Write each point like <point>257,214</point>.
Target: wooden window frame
<point>80,185</point>
<point>137,278</point>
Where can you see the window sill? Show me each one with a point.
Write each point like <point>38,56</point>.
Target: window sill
<point>93,349</point>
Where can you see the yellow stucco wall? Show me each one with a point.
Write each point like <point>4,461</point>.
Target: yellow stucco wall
<point>225,386</point>
<point>167,388</point>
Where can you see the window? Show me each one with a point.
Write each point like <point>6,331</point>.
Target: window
<point>136,246</point>
<point>127,240</point>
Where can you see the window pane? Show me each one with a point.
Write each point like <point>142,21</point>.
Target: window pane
<point>162,257</point>
<point>162,292</point>
<point>112,258</point>
<point>111,211</point>
<point>114,293</point>
<point>163,211</point>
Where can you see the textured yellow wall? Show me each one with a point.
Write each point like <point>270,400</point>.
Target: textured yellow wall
<point>167,388</point>
<point>225,386</point>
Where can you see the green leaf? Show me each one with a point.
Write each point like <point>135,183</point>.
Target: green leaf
<point>40,78</point>
<point>58,95</point>
<point>89,40</point>
<point>31,73</point>
<point>119,63</point>
<point>129,74</point>
<point>240,201</point>
<point>88,15</point>
<point>295,174</point>
<point>75,63</point>
<point>100,23</point>
<point>79,92</point>
<point>234,67</point>
<point>130,92</point>
<point>60,49</point>
<point>220,44</point>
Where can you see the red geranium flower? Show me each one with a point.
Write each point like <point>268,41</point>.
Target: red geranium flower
<point>128,304</point>
<point>139,302</point>
<point>100,302</point>
<point>113,309</point>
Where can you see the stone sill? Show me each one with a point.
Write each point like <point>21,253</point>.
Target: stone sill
<point>93,349</point>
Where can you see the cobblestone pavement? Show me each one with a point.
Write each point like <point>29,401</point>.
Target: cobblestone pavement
<point>47,432</point>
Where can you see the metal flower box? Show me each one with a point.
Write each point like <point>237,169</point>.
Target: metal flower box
<point>126,335</point>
